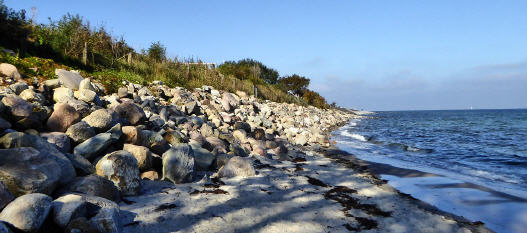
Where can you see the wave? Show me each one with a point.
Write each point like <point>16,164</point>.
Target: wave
<point>354,136</point>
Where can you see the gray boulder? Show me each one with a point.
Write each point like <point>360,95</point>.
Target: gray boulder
<point>68,207</point>
<point>60,140</point>
<point>62,93</point>
<point>82,165</point>
<point>17,107</point>
<point>80,132</point>
<point>10,71</point>
<point>101,119</point>
<point>178,163</point>
<point>237,166</point>
<point>27,212</point>
<point>4,124</point>
<point>121,168</point>
<point>131,112</point>
<point>229,102</point>
<point>26,170</point>
<point>18,87</point>
<point>17,139</point>
<point>69,79</point>
<point>92,147</point>
<point>5,196</point>
<point>92,185</point>
<point>203,159</point>
<point>192,108</point>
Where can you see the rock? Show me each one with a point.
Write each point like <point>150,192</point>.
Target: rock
<point>131,112</point>
<point>206,130</point>
<point>178,163</point>
<point>17,107</point>
<point>242,125</point>
<point>61,93</point>
<point>150,175</point>
<point>5,196</point>
<point>85,95</point>
<point>26,170</point>
<point>107,220</point>
<point>240,135</point>
<point>52,83</point>
<point>67,208</point>
<point>27,212</point>
<point>79,225</point>
<point>174,137</point>
<point>203,159</point>
<point>301,139</point>
<point>92,147</point>
<point>192,108</point>
<point>31,96</point>
<point>4,228</point>
<point>141,154</point>
<point>92,185</point>
<point>86,84</point>
<point>4,124</point>
<point>80,132</point>
<point>10,71</point>
<point>18,87</point>
<point>221,160</point>
<point>62,117</point>
<point>130,134</point>
<point>101,119</point>
<point>82,165</point>
<point>215,142</point>
<point>237,166</point>
<point>80,106</point>
<point>69,79</point>
<point>61,140</point>
<point>121,168</point>
<point>122,92</point>
<point>229,102</point>
<point>259,134</point>
<point>238,150</point>
<point>48,150</point>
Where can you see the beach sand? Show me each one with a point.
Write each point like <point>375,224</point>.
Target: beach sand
<point>324,193</point>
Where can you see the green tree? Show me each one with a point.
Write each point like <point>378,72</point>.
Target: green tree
<point>294,83</point>
<point>250,69</point>
<point>157,51</point>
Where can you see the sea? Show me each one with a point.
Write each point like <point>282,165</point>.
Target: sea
<point>479,155</point>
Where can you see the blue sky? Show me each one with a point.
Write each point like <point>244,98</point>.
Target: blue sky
<point>375,55</point>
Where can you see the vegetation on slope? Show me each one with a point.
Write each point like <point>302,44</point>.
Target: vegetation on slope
<point>72,43</point>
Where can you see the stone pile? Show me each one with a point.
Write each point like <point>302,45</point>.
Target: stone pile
<point>70,151</point>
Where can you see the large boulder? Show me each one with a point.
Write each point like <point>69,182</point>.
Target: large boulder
<point>17,107</point>
<point>229,102</point>
<point>17,139</point>
<point>82,165</point>
<point>61,94</point>
<point>192,108</point>
<point>80,132</point>
<point>142,155</point>
<point>27,213</point>
<point>92,185</point>
<point>26,170</point>
<point>67,208</point>
<point>4,124</point>
<point>9,71</point>
<point>60,140</point>
<point>19,87</point>
<point>62,117</point>
<point>31,96</point>
<point>203,159</point>
<point>69,79</point>
<point>121,168</point>
<point>92,147</point>
<point>5,196</point>
<point>131,112</point>
<point>101,119</point>
<point>86,95</point>
<point>86,84</point>
<point>237,166</point>
<point>178,163</point>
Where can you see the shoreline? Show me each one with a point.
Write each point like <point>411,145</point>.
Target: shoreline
<point>452,197</point>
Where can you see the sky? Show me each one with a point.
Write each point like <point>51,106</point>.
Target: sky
<point>372,55</point>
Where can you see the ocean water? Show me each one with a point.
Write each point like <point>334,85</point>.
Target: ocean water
<point>484,147</point>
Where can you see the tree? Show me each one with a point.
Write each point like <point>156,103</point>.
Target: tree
<point>294,83</point>
<point>157,51</point>
<point>315,99</point>
<point>249,69</point>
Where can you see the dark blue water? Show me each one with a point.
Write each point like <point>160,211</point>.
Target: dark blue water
<point>486,147</point>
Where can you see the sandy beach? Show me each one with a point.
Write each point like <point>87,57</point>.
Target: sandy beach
<point>311,193</point>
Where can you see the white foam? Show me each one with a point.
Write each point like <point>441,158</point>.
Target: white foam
<point>354,136</point>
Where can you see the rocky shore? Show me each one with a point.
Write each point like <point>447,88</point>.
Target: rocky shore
<point>157,159</point>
